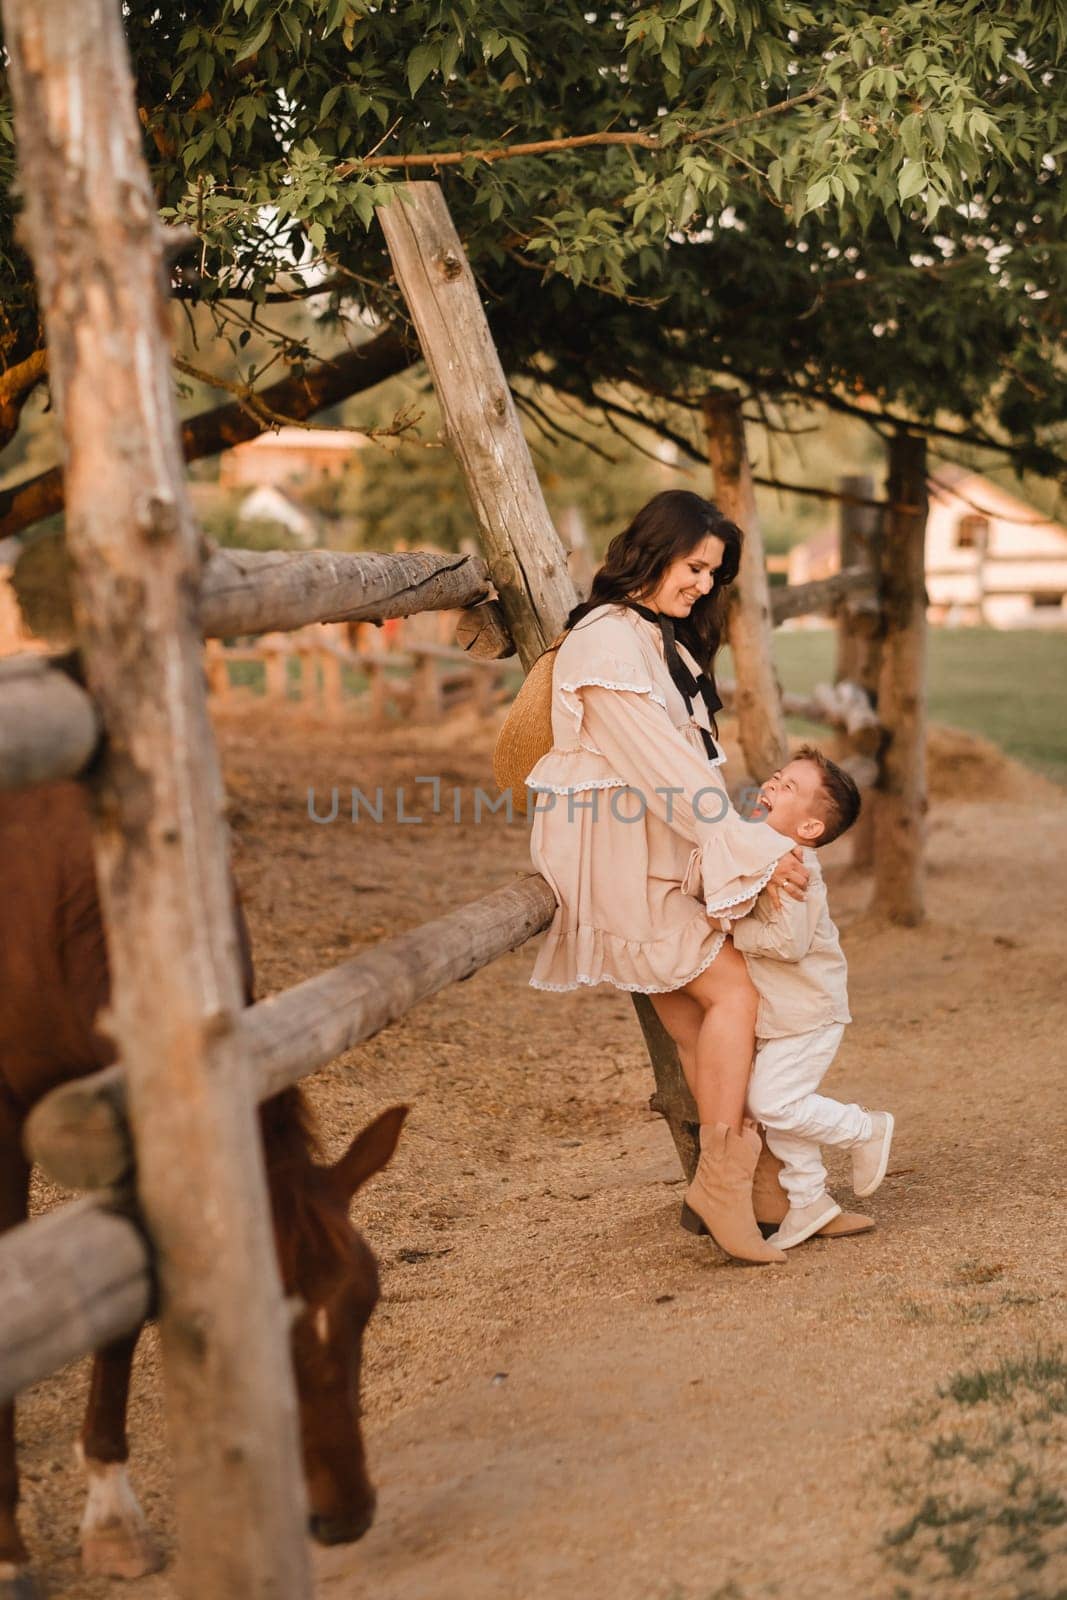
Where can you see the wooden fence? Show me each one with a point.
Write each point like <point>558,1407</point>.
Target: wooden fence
<point>421,681</point>
<point>193,1063</point>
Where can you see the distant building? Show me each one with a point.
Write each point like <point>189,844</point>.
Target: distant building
<point>289,455</point>
<point>990,557</point>
<point>268,504</point>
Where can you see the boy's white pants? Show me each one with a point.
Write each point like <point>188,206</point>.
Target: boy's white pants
<point>781,1095</point>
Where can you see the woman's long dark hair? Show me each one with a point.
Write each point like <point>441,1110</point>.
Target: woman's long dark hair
<point>668,527</point>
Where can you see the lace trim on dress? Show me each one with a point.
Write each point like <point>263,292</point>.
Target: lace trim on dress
<point>739,899</point>
<point>632,988</point>
<point>717,761</point>
<point>575,788</point>
<point>605,683</point>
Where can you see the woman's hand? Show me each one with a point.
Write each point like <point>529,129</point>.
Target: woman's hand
<point>790,875</point>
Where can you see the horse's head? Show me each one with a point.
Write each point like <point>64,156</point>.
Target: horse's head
<point>332,1273</point>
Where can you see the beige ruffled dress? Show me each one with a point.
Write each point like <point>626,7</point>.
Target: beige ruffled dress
<point>632,827</point>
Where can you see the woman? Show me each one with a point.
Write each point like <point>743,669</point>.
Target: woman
<point>633,823</point>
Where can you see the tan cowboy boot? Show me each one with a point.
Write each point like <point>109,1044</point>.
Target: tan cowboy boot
<point>720,1195</point>
<point>770,1201</point>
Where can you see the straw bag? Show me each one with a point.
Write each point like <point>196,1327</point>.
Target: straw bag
<point>526,734</point>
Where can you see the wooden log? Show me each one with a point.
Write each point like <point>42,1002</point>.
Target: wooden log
<point>482,632</point>
<point>92,230</point>
<point>526,560</point>
<point>274,653</point>
<point>217,670</point>
<point>758,702</point>
<point>822,594</point>
<point>331,670</point>
<point>859,626</point>
<point>900,810</point>
<point>260,591</point>
<point>426,688</point>
<point>827,706</point>
<point>858,532</point>
<point>848,708</point>
<point>483,686</point>
<point>378,693</point>
<point>672,1098</point>
<point>69,1282</point>
<point>49,728</point>
<point>265,591</point>
<point>864,772</point>
<point>79,1133</point>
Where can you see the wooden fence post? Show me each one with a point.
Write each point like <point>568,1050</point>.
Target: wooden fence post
<point>901,801</point>
<point>859,628</point>
<point>526,558</point>
<point>92,229</point>
<point>758,704</point>
<point>331,668</point>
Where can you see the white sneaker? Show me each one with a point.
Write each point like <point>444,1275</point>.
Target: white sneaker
<point>871,1158</point>
<point>802,1221</point>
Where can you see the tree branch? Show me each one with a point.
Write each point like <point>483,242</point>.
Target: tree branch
<point>294,398</point>
<point>578,141</point>
<point>16,386</point>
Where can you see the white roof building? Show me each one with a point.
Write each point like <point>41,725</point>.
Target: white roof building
<point>990,557</point>
<point>288,455</point>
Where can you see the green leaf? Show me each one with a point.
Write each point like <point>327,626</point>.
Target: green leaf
<point>912,178</point>
<point>255,43</point>
<point>911,135</point>
<point>421,62</point>
<point>936,125</point>
<point>817,195</point>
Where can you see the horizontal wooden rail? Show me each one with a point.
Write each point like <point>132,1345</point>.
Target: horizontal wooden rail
<point>48,725</point>
<point>822,594</point>
<point>838,705</point>
<point>69,1282</point>
<point>268,591</point>
<point>406,656</point>
<point>80,1276</point>
<point>79,1132</point>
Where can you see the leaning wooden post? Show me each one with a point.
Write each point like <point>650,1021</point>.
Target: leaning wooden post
<point>92,229</point>
<point>526,559</point>
<point>758,701</point>
<point>901,802</point>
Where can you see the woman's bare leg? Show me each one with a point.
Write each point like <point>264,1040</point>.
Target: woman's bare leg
<point>713,1024</point>
<point>682,1017</point>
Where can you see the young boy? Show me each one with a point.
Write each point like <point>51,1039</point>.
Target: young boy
<point>795,961</point>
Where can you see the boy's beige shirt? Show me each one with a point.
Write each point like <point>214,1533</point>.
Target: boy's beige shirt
<point>795,960</point>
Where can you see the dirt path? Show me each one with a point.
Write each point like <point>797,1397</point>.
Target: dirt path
<point>566,1394</point>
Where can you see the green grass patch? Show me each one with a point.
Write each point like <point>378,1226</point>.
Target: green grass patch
<point>979,1477</point>
<point>1043,1374</point>
<point>1007,685</point>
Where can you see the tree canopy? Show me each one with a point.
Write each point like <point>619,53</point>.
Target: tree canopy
<point>856,206</point>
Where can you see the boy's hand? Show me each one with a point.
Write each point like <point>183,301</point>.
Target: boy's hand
<point>790,875</point>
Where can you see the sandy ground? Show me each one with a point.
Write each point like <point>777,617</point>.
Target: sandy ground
<point>567,1395</point>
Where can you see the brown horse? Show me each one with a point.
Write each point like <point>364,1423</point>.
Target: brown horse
<point>53,982</point>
